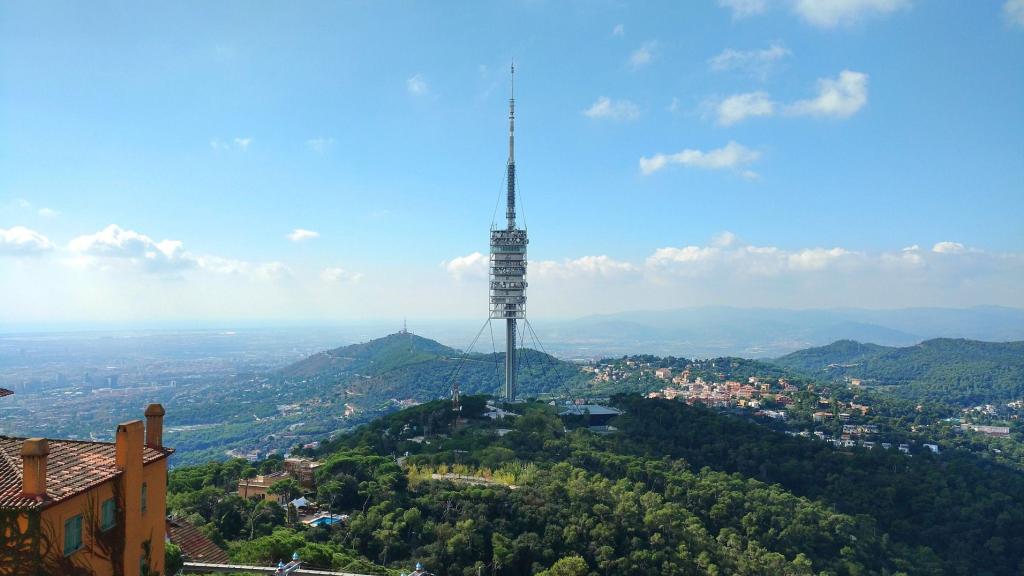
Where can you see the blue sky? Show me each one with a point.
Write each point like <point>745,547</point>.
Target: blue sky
<point>157,159</point>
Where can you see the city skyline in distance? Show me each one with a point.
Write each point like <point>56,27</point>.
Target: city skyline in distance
<point>784,159</point>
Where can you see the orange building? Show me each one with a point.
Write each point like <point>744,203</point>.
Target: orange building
<point>79,508</point>
<point>258,488</point>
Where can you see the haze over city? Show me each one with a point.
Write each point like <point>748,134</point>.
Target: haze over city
<point>342,162</point>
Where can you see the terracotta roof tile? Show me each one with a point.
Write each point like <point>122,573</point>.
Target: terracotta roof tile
<point>72,467</point>
<point>194,545</point>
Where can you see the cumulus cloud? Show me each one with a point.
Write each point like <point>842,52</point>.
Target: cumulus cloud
<point>949,248</point>
<point>231,267</point>
<point>738,107</point>
<point>744,8</point>
<point>732,155</point>
<point>472,265</point>
<point>319,145</point>
<point>839,97</point>
<point>23,204</point>
<point>117,247</point>
<point>417,85</point>
<point>754,62</point>
<point>1013,11</point>
<point>301,235</point>
<point>642,56</point>
<point>727,254</point>
<point>22,241</point>
<point>605,107</point>
<point>584,266</point>
<point>239,144</point>
<point>832,13</point>
<point>339,275</point>
<point>114,242</point>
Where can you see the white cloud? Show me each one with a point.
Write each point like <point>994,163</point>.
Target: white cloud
<point>642,56</point>
<point>744,8</point>
<point>241,144</point>
<point>319,145</point>
<point>738,107</point>
<point>417,85</point>
<point>619,30</point>
<point>724,239</point>
<point>1013,11</point>
<point>472,265</point>
<point>832,13</point>
<point>301,234</point>
<point>727,254</point>
<point>589,266</point>
<point>840,97</point>
<point>116,247</point>
<point>114,242</point>
<point>43,211</point>
<point>949,248</point>
<point>605,107</point>
<point>815,258</point>
<point>335,274</point>
<point>265,271</point>
<point>754,62</point>
<point>732,155</point>
<point>21,241</point>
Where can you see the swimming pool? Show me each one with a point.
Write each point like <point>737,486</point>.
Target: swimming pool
<point>325,521</point>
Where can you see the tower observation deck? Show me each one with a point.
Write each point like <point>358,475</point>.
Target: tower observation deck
<point>508,263</point>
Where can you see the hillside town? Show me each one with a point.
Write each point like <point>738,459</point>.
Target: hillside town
<point>794,407</point>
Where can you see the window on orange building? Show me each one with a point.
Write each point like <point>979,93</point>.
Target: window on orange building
<point>72,535</point>
<point>108,514</point>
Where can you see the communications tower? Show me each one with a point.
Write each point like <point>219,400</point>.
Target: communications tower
<point>508,261</point>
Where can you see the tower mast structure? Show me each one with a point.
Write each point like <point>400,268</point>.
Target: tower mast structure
<point>508,261</point>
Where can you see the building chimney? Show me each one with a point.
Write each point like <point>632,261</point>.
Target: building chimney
<point>155,426</point>
<point>128,452</point>
<point>33,455</point>
<point>128,444</point>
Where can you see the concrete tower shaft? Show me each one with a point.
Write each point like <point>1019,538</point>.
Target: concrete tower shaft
<point>508,264</point>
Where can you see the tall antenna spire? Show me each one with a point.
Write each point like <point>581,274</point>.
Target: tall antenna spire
<point>508,259</point>
<point>510,211</point>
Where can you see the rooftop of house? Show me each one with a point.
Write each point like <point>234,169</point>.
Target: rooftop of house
<point>72,467</point>
<point>194,545</point>
<point>592,409</point>
<point>264,480</point>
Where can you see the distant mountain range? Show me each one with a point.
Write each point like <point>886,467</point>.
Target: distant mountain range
<point>954,371</point>
<point>767,332</point>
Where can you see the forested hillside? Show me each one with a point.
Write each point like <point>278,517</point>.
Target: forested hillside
<point>951,371</point>
<point>415,367</point>
<point>678,490</point>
